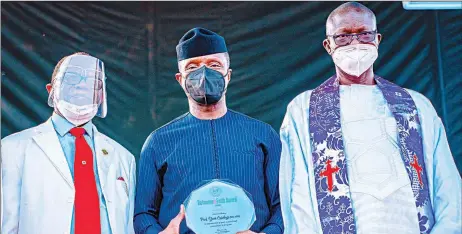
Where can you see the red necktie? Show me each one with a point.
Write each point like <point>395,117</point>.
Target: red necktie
<point>87,219</point>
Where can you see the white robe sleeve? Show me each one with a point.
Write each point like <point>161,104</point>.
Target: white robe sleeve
<point>298,208</point>
<point>443,177</point>
<point>447,191</point>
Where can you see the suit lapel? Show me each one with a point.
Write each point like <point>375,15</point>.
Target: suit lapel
<point>48,141</point>
<point>104,156</point>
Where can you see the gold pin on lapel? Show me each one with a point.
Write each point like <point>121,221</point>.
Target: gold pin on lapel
<point>105,152</point>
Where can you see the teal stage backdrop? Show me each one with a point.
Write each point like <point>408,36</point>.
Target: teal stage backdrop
<point>275,48</point>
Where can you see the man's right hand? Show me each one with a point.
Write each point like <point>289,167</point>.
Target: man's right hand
<point>174,225</point>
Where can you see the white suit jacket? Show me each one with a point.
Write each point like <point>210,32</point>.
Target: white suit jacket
<point>38,189</point>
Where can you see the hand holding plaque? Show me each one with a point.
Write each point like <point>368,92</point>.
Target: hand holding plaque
<point>219,207</point>
<point>174,225</point>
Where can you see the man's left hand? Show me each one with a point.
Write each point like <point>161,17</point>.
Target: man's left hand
<point>249,232</point>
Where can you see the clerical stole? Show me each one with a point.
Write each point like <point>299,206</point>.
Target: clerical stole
<point>330,168</point>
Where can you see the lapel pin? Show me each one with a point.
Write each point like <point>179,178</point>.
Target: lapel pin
<point>105,152</point>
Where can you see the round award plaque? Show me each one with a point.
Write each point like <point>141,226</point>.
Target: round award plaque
<point>219,207</point>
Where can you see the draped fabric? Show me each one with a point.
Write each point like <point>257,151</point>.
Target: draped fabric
<point>275,48</point>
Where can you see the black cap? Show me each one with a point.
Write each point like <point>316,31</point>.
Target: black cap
<point>199,42</point>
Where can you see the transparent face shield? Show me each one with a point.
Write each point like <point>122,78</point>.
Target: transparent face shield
<point>79,87</point>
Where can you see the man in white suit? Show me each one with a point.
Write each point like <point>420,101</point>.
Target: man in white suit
<point>64,176</point>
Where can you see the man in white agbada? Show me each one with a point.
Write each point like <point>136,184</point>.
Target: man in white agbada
<point>64,176</point>
<point>361,154</point>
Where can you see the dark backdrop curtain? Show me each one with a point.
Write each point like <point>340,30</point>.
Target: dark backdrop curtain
<point>275,49</point>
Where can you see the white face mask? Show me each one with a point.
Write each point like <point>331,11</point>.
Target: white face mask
<point>355,59</point>
<point>76,114</point>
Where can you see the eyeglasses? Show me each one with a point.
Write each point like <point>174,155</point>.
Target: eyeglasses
<point>71,78</point>
<point>75,75</point>
<point>346,39</point>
